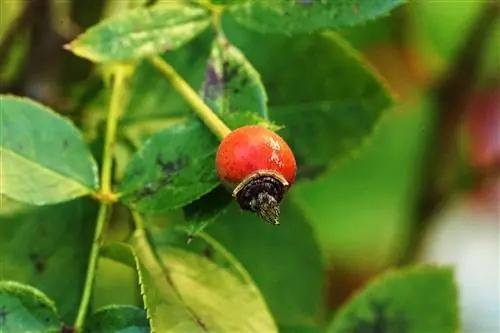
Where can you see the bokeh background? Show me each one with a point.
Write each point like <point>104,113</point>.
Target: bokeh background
<point>425,188</point>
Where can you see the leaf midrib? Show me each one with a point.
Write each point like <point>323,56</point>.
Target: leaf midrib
<point>45,169</point>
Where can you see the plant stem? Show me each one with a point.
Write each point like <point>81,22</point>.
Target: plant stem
<point>106,176</point>
<point>213,122</point>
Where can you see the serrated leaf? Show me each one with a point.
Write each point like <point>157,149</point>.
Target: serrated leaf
<point>186,292</point>
<point>200,213</point>
<point>44,157</point>
<point>48,248</point>
<point>231,83</point>
<point>299,16</point>
<point>327,111</point>
<point>118,319</point>
<point>176,166</point>
<point>416,299</point>
<point>142,32</point>
<point>285,261</point>
<point>26,309</point>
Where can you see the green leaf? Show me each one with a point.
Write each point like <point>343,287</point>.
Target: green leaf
<point>200,213</point>
<point>300,16</point>
<point>185,292</point>
<point>152,97</point>
<point>48,248</point>
<point>416,299</point>
<point>26,309</point>
<point>44,157</point>
<point>176,166</point>
<point>142,32</point>
<point>327,111</point>
<point>285,261</point>
<point>231,83</point>
<point>118,319</point>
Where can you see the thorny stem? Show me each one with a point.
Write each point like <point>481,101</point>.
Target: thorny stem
<point>213,122</point>
<point>110,136</point>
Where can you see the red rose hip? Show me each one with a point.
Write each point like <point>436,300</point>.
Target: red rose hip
<point>260,167</point>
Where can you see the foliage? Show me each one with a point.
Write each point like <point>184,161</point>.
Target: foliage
<point>200,263</point>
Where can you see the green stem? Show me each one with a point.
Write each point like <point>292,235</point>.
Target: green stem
<point>106,176</point>
<point>213,122</point>
<point>137,219</point>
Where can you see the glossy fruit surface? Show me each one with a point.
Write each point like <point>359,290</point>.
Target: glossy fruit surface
<point>250,149</point>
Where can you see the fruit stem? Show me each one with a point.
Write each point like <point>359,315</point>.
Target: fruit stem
<point>106,176</point>
<point>213,122</point>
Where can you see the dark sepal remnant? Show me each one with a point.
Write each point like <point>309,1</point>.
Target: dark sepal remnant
<point>262,195</point>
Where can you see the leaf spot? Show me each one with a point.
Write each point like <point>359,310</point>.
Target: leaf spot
<point>38,262</point>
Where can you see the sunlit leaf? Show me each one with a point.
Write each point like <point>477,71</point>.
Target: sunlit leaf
<point>141,32</point>
<point>285,261</point>
<point>44,157</point>
<point>185,292</point>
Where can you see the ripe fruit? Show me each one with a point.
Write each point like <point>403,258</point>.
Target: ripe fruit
<point>260,167</point>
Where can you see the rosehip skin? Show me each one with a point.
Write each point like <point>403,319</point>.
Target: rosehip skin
<point>251,148</point>
<point>260,167</point>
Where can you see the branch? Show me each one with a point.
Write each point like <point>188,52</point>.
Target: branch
<point>451,96</point>
<point>106,178</point>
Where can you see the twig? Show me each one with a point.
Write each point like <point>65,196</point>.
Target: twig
<point>106,177</point>
<point>213,122</point>
<point>451,95</point>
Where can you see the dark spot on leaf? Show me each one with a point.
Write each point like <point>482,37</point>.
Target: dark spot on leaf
<point>165,181</point>
<point>42,305</point>
<point>37,261</point>
<point>381,321</point>
<point>171,167</point>
<point>3,314</point>
<point>65,144</point>
<point>148,190</point>
<point>244,81</point>
<point>236,90</point>
<point>212,87</point>
<point>208,252</point>
<point>228,72</point>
